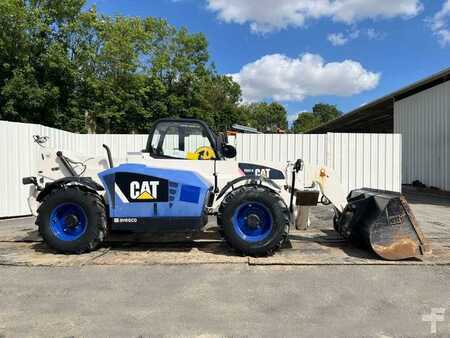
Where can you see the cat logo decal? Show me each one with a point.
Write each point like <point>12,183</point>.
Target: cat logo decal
<point>145,190</point>
<point>135,188</point>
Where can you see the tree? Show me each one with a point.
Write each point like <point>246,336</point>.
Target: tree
<point>322,113</point>
<point>35,75</point>
<point>266,117</point>
<point>217,103</point>
<point>70,68</point>
<point>326,112</point>
<point>305,122</point>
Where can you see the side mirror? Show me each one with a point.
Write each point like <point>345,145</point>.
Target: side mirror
<point>229,151</point>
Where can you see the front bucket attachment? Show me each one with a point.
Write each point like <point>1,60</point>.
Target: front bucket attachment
<point>383,222</point>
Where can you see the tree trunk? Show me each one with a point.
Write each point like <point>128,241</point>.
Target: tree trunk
<point>89,122</point>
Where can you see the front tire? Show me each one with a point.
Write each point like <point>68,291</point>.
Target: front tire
<point>72,220</point>
<point>254,220</point>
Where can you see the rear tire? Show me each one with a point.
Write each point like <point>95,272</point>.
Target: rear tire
<point>254,220</point>
<point>72,220</point>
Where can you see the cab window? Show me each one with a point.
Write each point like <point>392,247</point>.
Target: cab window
<point>181,140</point>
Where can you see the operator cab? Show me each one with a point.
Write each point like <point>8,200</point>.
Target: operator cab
<point>187,139</point>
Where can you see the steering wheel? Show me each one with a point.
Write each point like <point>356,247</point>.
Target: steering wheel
<point>205,153</point>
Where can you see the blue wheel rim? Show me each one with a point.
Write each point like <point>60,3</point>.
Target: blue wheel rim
<point>248,232</point>
<point>58,222</point>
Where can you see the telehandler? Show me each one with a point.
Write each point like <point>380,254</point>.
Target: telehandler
<point>184,176</point>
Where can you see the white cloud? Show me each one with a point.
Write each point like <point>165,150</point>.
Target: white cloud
<point>282,78</point>
<point>337,39</point>
<point>373,34</point>
<point>269,15</point>
<point>340,39</point>
<point>440,24</point>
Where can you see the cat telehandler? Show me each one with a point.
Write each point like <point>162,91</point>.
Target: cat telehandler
<point>186,175</point>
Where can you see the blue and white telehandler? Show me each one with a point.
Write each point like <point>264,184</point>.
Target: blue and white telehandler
<point>185,176</point>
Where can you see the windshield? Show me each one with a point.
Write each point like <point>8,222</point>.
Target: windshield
<point>182,140</point>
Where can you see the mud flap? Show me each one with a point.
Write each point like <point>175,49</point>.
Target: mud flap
<point>383,222</point>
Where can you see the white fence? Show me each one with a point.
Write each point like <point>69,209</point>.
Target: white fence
<point>360,160</point>
<point>369,160</point>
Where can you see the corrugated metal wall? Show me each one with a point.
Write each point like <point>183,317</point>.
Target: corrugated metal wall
<point>424,122</point>
<point>18,157</point>
<point>367,160</point>
<point>360,160</point>
<point>282,148</point>
<point>17,160</point>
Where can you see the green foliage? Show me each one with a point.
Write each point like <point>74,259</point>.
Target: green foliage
<point>266,117</point>
<point>326,112</point>
<point>61,65</point>
<point>35,75</point>
<point>322,113</point>
<point>74,69</point>
<point>305,122</point>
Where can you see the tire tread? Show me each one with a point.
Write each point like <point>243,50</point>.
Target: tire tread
<point>96,201</point>
<point>230,197</point>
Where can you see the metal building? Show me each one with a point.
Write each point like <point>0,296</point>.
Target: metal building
<point>421,114</point>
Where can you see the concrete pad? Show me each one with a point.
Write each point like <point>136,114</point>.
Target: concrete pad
<point>231,300</point>
<point>38,254</point>
<point>432,212</point>
<point>19,230</point>
<point>343,254</point>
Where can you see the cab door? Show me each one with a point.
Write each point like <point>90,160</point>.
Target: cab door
<point>182,140</point>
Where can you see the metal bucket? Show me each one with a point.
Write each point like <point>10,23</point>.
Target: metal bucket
<point>383,222</point>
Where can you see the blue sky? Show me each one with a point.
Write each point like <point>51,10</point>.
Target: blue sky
<point>300,52</point>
